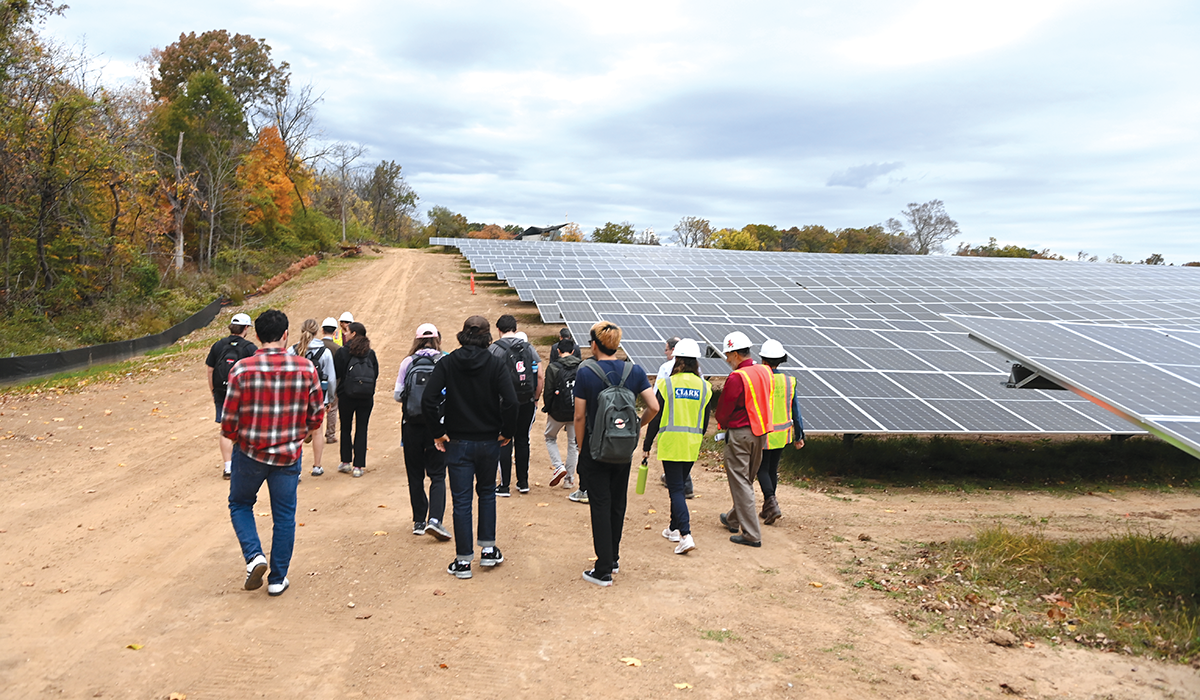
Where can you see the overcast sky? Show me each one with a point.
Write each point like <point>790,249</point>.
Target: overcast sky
<point>1042,123</point>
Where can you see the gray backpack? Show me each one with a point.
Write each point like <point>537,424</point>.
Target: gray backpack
<point>614,433</point>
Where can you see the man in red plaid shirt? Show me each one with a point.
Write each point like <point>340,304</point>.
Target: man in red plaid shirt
<point>273,402</point>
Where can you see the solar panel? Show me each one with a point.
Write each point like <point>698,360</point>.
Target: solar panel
<point>880,316</point>
<point>1148,376</point>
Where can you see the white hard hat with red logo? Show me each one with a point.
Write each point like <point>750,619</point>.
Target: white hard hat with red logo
<point>736,340</point>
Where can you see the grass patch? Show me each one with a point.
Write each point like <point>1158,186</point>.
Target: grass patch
<point>720,635</point>
<point>966,465</point>
<point>1133,594</point>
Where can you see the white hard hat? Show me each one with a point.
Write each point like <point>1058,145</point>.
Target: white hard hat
<point>736,340</point>
<point>241,320</point>
<point>347,317</point>
<point>330,322</point>
<point>772,349</point>
<point>687,348</point>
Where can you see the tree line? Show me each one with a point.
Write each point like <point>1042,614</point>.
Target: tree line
<point>921,229</point>
<point>209,174</point>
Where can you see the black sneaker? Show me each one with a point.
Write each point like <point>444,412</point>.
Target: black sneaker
<point>461,569</point>
<point>592,577</point>
<point>523,489</point>
<point>503,492</point>
<point>419,528</point>
<point>491,558</point>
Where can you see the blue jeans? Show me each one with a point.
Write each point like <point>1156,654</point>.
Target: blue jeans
<point>282,482</point>
<point>472,462</point>
<point>678,474</point>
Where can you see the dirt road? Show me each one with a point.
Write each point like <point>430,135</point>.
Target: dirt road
<point>114,532</point>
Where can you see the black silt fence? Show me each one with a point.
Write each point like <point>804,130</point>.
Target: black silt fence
<point>17,369</point>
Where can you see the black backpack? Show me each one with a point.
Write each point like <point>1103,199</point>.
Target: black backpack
<point>314,356</point>
<point>360,378</point>
<point>415,379</point>
<point>225,362</point>
<point>562,404</point>
<point>524,378</point>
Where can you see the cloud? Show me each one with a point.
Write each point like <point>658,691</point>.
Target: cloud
<point>1039,122</point>
<point>861,175</point>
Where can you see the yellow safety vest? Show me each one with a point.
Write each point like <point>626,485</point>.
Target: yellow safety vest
<point>682,427</point>
<point>783,390</point>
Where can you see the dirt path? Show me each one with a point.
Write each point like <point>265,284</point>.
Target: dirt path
<point>114,531</point>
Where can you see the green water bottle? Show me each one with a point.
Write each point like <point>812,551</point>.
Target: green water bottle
<point>642,472</point>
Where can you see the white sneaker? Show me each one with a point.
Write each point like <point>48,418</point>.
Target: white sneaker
<point>559,473</point>
<point>686,544</point>
<point>569,482</point>
<point>274,589</point>
<point>256,568</point>
<point>672,535</point>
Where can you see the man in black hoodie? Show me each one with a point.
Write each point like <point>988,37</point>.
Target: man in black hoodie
<point>476,418</point>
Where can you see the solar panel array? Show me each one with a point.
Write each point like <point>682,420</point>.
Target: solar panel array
<point>866,335</point>
<point>1149,375</point>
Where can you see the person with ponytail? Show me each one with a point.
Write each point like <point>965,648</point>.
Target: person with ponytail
<point>312,347</point>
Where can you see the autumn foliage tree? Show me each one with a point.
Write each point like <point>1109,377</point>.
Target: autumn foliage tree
<point>123,209</point>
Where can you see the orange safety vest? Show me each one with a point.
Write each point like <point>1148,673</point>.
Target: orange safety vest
<point>757,380</point>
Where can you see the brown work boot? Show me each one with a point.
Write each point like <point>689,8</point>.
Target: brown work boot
<point>771,510</point>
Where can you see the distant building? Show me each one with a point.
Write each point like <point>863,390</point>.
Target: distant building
<point>536,233</point>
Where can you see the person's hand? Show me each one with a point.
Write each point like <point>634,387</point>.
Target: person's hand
<point>440,443</point>
<point>503,440</point>
<point>799,443</point>
<point>645,455</point>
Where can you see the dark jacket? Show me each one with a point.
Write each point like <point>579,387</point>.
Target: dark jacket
<point>479,396</point>
<point>341,362</point>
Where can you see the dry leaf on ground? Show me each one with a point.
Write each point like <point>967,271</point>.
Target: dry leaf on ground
<point>630,661</point>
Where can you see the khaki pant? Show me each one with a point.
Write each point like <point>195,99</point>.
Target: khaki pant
<point>743,455</point>
<point>331,412</point>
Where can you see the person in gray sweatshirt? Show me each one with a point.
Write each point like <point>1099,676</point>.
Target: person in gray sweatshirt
<point>468,405</point>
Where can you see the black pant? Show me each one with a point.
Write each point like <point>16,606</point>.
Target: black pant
<point>519,443</point>
<point>356,413</point>
<point>608,491</point>
<point>422,459</point>
<point>768,472</point>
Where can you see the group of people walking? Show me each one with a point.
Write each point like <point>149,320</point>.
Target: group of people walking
<point>467,417</point>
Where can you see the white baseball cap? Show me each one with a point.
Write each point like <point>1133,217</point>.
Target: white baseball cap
<point>687,348</point>
<point>736,340</point>
<point>347,317</point>
<point>241,320</point>
<point>522,336</point>
<point>330,322</point>
<point>427,330</point>
<point>772,349</point>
